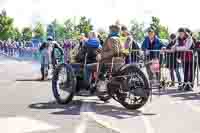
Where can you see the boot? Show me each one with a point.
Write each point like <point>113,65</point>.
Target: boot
<point>172,84</point>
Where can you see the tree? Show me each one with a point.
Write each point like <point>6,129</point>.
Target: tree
<point>164,32</point>
<point>69,28</point>
<point>155,24</point>
<point>6,26</point>
<point>54,24</point>
<point>160,30</point>
<point>60,32</point>
<point>26,33</point>
<point>137,30</point>
<point>84,25</point>
<point>39,31</point>
<point>16,34</point>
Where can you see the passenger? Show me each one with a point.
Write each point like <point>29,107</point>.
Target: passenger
<point>89,52</point>
<point>112,52</point>
<point>110,58</point>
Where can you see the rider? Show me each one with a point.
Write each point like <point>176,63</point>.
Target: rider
<point>57,55</point>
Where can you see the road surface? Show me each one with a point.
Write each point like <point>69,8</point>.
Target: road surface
<point>28,106</point>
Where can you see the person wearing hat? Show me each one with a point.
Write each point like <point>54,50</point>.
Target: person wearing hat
<point>184,45</point>
<point>151,43</point>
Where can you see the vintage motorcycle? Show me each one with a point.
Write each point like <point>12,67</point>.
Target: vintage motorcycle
<point>128,85</point>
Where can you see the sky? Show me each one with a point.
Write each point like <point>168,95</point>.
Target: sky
<point>173,13</point>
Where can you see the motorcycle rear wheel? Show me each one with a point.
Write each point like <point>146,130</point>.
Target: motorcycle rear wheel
<point>141,84</point>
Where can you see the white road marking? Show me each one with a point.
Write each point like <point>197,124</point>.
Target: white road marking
<point>23,125</point>
<point>81,128</point>
<point>118,125</point>
<point>147,123</point>
<point>90,114</point>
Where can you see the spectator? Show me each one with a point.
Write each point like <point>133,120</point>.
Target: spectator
<point>173,61</point>
<point>135,53</point>
<point>45,60</point>
<point>184,44</point>
<point>150,44</point>
<point>67,47</point>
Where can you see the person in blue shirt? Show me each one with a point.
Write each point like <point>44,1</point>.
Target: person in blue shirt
<point>151,46</point>
<point>89,50</point>
<point>87,54</point>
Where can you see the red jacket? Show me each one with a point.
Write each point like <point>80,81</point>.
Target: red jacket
<point>186,55</point>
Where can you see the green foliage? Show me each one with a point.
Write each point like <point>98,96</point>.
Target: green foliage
<point>39,31</point>
<point>60,32</point>
<point>164,33</point>
<point>155,25</point>
<point>6,26</point>
<point>84,25</point>
<point>16,34</point>
<point>69,28</point>
<point>159,29</point>
<point>137,30</point>
<point>26,34</point>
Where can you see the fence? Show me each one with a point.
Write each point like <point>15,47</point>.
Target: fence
<point>22,53</point>
<point>161,65</point>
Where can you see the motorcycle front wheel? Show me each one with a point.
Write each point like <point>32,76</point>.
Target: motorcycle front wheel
<point>64,83</point>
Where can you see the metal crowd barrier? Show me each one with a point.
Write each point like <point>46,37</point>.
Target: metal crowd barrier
<point>21,53</point>
<point>161,65</point>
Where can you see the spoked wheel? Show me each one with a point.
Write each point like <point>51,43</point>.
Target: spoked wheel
<point>63,83</point>
<point>137,90</point>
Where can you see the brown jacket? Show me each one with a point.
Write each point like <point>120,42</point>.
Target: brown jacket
<point>112,51</point>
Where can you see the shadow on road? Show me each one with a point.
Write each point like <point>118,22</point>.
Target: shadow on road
<point>72,108</point>
<point>35,80</point>
<point>166,92</point>
<point>119,112</point>
<point>187,96</point>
